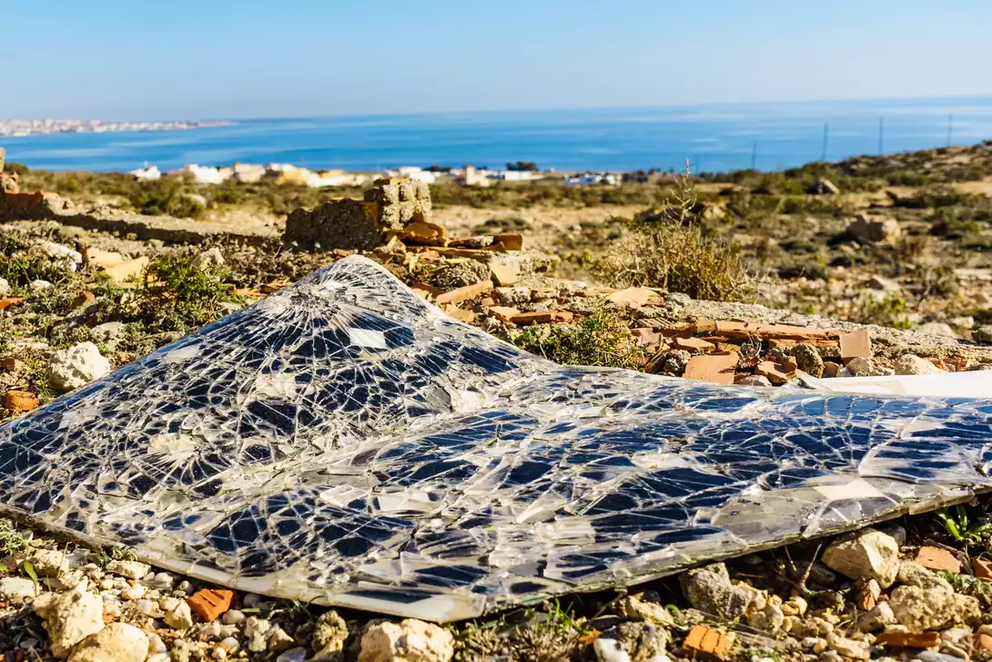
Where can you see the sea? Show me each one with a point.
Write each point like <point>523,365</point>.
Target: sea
<point>715,138</point>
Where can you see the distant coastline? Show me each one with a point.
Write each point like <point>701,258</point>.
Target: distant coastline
<point>18,128</point>
<point>715,138</point>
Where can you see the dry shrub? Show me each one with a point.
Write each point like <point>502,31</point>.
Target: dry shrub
<point>674,252</point>
<point>677,259</point>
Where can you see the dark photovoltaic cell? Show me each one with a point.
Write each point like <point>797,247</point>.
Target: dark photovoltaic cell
<point>344,442</point>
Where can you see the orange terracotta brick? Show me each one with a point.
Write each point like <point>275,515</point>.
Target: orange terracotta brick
<point>692,344</point>
<point>927,639</point>
<point>982,568</point>
<point>855,345</point>
<point>510,241</point>
<point>706,640</point>
<point>982,642</point>
<point>465,293</point>
<point>503,312</point>
<point>539,316</point>
<point>633,296</point>
<point>714,368</point>
<point>459,314</point>
<point>774,373</point>
<point>209,603</point>
<point>85,298</point>
<point>18,401</point>
<point>937,558</point>
<point>789,332</point>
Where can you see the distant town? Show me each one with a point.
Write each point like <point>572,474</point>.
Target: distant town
<point>18,128</point>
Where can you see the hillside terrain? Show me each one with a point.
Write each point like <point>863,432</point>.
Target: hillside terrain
<point>875,266</point>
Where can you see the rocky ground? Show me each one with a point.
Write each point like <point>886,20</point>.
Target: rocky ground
<point>883,269</point>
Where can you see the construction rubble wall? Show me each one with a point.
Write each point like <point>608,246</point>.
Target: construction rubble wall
<point>390,205</point>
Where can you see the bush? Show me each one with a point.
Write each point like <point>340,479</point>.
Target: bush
<point>176,283</point>
<point>165,196</point>
<point>21,262</point>
<point>602,339</point>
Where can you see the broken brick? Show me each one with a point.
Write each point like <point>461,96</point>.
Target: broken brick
<point>708,641</point>
<point>509,241</point>
<point>209,603</point>
<point>830,369</point>
<point>937,558</point>
<point>982,641</point>
<point>927,639</point>
<point>459,314</point>
<point>772,372</point>
<point>855,345</point>
<point>17,401</point>
<point>465,293</point>
<point>505,274</point>
<point>692,344</point>
<point>85,298</point>
<point>714,368</point>
<point>633,296</point>
<point>539,316</point>
<point>982,568</point>
<point>503,312</point>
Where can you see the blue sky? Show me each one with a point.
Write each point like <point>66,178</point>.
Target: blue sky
<point>137,59</point>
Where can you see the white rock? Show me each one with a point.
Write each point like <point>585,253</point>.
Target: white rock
<point>210,257</point>
<point>293,655</point>
<point>610,650</point>
<point>770,619</point>
<point>908,364</point>
<point>4,287</point>
<point>77,366</point>
<point>232,617</point>
<point>870,231</point>
<point>149,608</point>
<point>17,589</point>
<point>180,617</point>
<point>409,641</point>
<point>936,329</point>
<point>858,650</point>
<point>922,608</point>
<point>912,573</point>
<point>69,617</point>
<point>878,618</point>
<point>60,252</point>
<point>957,642</point>
<point>710,590</point>
<point>866,554</point>
<point>279,640</point>
<point>883,284</point>
<point>633,607</point>
<point>49,562</point>
<point>135,592</point>
<point>230,644</point>
<point>861,367</point>
<point>107,331</point>
<point>118,642</point>
<point>130,569</point>
<point>39,285</point>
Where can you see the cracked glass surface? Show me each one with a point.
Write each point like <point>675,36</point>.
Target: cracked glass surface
<point>344,442</point>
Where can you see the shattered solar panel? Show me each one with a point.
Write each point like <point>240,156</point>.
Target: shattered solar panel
<point>341,441</point>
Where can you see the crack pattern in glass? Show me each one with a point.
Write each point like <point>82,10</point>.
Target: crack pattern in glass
<point>344,442</point>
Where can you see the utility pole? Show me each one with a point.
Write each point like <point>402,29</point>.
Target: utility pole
<point>754,154</point>
<point>881,124</point>
<point>826,133</point>
<point>950,122</point>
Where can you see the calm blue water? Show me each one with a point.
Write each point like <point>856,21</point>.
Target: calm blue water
<point>715,138</point>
